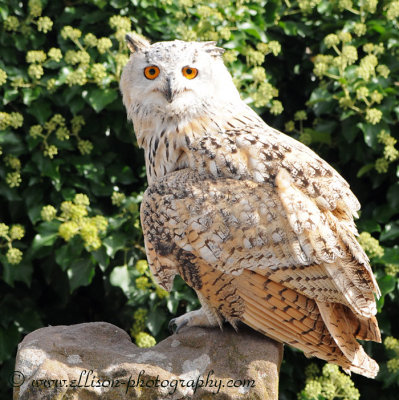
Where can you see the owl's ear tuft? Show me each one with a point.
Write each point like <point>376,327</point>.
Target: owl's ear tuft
<point>212,49</point>
<point>136,42</point>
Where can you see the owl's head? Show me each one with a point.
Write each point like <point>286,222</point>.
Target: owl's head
<point>175,79</point>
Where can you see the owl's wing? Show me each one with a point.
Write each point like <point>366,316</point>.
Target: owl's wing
<point>275,230</point>
<point>235,242</point>
<point>318,204</point>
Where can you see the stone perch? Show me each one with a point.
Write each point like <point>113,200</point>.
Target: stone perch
<point>98,361</point>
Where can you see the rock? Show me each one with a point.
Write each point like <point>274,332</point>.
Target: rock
<point>98,361</point>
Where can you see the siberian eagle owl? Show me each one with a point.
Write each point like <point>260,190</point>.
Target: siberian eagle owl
<point>253,220</point>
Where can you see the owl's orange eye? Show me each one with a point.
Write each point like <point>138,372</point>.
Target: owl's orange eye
<point>151,72</point>
<point>190,72</point>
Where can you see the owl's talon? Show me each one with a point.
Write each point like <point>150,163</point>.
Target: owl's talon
<point>172,325</point>
<point>175,325</point>
<point>192,318</point>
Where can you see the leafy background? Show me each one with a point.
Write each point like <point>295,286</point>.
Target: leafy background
<point>72,176</point>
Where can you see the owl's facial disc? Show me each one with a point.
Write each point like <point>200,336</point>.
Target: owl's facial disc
<point>178,79</point>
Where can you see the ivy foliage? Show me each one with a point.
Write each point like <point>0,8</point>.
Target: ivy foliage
<point>72,176</point>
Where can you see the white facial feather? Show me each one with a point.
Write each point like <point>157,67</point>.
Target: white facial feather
<point>212,86</point>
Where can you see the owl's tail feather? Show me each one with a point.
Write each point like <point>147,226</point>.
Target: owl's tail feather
<point>341,330</point>
<point>292,318</point>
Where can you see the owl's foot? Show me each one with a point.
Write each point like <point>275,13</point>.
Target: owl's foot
<point>193,318</point>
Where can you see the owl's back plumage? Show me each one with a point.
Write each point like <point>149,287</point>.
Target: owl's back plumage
<point>257,223</point>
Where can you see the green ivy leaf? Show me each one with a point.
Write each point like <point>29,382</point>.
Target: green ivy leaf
<point>370,133</point>
<point>390,232</point>
<point>366,168</point>
<point>391,256</point>
<point>321,101</point>
<point>101,257</point>
<point>100,98</point>
<point>100,3</point>
<point>155,320</point>
<point>41,110</point>
<point>387,284</point>
<point>48,234</point>
<point>34,213</point>
<point>80,273</point>
<point>172,303</point>
<point>9,96</point>
<point>120,277</point>
<point>11,142</point>
<point>49,168</point>
<point>119,3</point>
<point>252,30</point>
<point>114,243</point>
<point>31,94</point>
<point>67,253</point>
<point>21,272</point>
<point>368,225</point>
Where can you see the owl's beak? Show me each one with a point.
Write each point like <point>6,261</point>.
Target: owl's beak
<point>168,92</point>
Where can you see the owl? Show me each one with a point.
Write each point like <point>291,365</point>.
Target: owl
<point>254,221</point>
